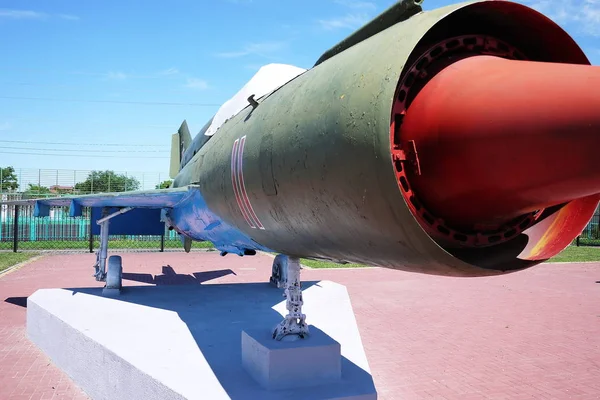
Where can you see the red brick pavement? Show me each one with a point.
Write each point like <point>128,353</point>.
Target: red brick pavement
<point>530,335</point>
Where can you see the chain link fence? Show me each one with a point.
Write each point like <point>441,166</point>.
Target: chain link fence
<point>590,236</point>
<point>21,231</point>
<point>39,183</point>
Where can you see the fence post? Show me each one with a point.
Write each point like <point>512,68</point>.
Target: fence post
<point>577,241</point>
<point>90,231</point>
<point>16,230</point>
<point>162,242</point>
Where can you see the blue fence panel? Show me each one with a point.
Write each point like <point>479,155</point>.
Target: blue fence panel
<point>60,231</point>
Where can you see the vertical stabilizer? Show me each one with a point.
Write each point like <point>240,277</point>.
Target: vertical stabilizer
<point>179,142</point>
<point>184,136</point>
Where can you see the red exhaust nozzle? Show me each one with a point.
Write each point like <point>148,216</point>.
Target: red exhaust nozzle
<point>500,138</point>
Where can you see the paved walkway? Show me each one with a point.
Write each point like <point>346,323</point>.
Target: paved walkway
<point>530,335</point>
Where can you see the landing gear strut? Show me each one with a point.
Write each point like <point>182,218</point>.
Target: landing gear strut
<point>295,322</point>
<point>113,277</point>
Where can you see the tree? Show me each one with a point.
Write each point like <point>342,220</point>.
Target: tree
<point>8,179</point>
<point>36,191</point>
<point>164,184</point>
<point>107,181</point>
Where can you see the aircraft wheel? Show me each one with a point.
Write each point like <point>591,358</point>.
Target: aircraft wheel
<point>114,275</point>
<point>186,242</point>
<point>279,271</point>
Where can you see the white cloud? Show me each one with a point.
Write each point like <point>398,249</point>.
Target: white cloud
<point>360,13</point>
<point>120,76</point>
<point>28,14</point>
<point>21,14</point>
<point>169,71</point>
<point>348,21</point>
<point>116,76</point>
<point>260,49</point>
<point>195,83</point>
<point>253,67</point>
<point>356,4</point>
<point>579,16</point>
<point>68,17</point>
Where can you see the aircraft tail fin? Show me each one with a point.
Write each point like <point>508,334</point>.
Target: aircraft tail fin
<point>180,141</point>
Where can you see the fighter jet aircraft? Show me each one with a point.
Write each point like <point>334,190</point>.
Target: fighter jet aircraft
<point>460,141</point>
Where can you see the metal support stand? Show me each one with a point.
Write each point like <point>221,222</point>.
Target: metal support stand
<point>90,234</point>
<point>294,323</point>
<point>102,253</point>
<point>16,229</point>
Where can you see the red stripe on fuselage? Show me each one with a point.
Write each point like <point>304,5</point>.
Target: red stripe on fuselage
<point>240,172</point>
<point>236,189</point>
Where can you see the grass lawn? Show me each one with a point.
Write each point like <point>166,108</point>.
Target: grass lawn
<point>325,264</point>
<point>112,244</point>
<point>578,254</point>
<point>570,254</point>
<point>7,260</point>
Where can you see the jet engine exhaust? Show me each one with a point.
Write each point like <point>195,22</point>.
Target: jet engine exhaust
<point>484,141</point>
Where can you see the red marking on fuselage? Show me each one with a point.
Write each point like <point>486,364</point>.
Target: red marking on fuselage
<point>234,182</point>
<point>243,186</point>
<point>237,171</point>
<point>236,176</point>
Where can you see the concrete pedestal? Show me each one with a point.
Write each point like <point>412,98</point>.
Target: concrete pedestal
<point>311,361</point>
<point>185,342</point>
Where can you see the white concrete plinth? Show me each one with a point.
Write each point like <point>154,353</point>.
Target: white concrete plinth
<point>311,361</point>
<point>184,341</point>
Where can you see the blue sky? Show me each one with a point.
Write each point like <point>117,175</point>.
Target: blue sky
<point>93,72</point>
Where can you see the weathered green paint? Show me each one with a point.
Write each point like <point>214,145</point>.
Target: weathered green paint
<point>175,159</point>
<point>336,194</point>
<point>180,141</point>
<point>398,12</point>
<point>317,163</point>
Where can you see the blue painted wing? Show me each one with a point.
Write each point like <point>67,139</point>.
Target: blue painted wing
<point>160,198</point>
<point>183,208</point>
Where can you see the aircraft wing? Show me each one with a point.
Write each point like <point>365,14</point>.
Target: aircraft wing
<point>159,198</point>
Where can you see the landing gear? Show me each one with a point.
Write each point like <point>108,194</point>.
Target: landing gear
<point>295,322</point>
<point>115,268</point>
<point>279,271</point>
<point>114,276</point>
<point>186,242</point>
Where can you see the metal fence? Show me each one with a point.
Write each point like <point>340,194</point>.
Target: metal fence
<point>590,236</point>
<point>53,182</point>
<point>20,230</point>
